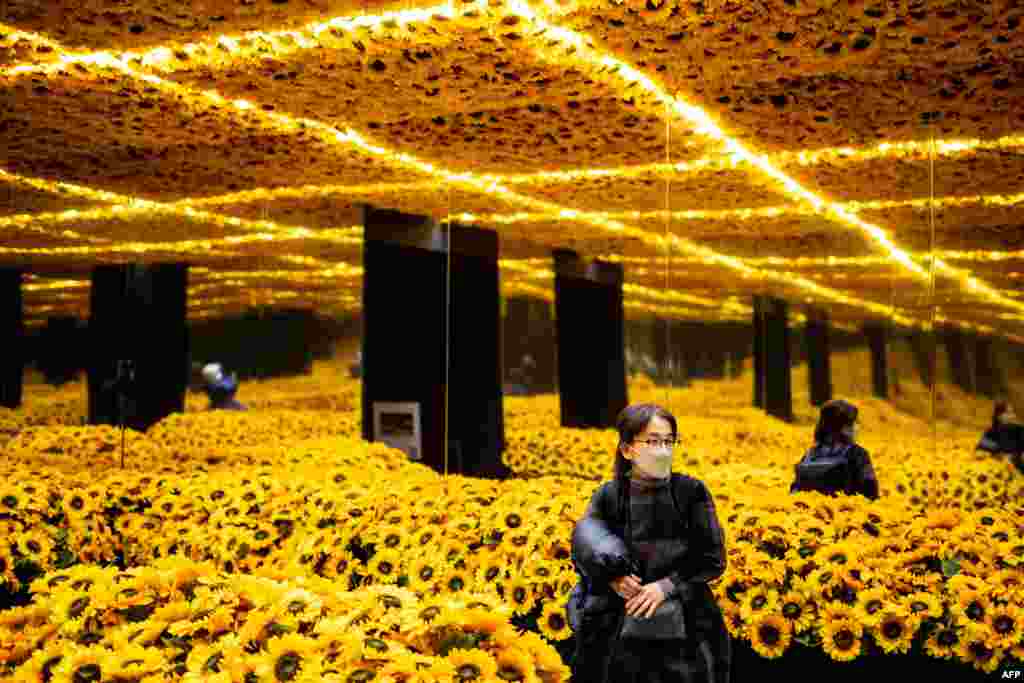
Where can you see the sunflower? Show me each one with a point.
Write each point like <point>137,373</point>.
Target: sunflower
<point>473,665</point>
<point>132,663</point>
<point>841,639</point>
<point>1007,625</point>
<point>770,635</point>
<point>943,642</point>
<point>796,610</point>
<point>925,605</point>
<point>391,536</point>
<point>974,648</point>
<point>288,654</point>
<point>1008,584</point>
<point>41,665</point>
<point>554,623</point>
<point>895,630</point>
<point>519,594</point>
<point>481,620</point>
<point>516,665</point>
<point>759,600</point>
<point>870,604</point>
<point>972,605</point>
<point>81,664</point>
<point>455,581</point>
<point>425,570</point>
<point>403,666</point>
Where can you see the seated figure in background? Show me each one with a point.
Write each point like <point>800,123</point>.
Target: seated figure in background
<point>221,389</point>
<point>1005,436</point>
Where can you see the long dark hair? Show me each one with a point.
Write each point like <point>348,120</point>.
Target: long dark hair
<point>631,422</point>
<point>836,415</point>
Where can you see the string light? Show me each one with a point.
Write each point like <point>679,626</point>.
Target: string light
<point>702,124</point>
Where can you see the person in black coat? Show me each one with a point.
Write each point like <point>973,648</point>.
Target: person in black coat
<point>646,549</point>
<point>836,464</point>
<point>1005,436</point>
<point>221,389</point>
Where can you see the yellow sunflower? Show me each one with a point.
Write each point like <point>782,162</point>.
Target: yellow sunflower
<point>516,665</point>
<point>895,630</point>
<point>288,654</point>
<point>455,581</point>
<point>943,642</point>
<point>974,648</point>
<point>473,665</point>
<point>795,609</point>
<point>870,605</point>
<point>132,663</point>
<point>554,623</point>
<point>841,639</point>
<point>425,570</point>
<point>1007,625</point>
<point>925,605</point>
<point>519,594</point>
<point>770,635</point>
<point>41,665</point>
<point>972,605</point>
<point>81,664</point>
<point>759,600</point>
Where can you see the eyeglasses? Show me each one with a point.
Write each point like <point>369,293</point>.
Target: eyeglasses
<point>654,443</point>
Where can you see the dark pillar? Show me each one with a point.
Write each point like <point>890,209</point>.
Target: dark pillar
<point>59,356</point>
<point>591,345</point>
<point>987,380</point>
<point>12,365</point>
<point>529,330</point>
<point>877,337</point>
<point>922,346</point>
<point>408,355</point>
<point>660,347</point>
<point>959,359</point>
<point>775,387</point>
<point>819,364</point>
<point>759,353</point>
<point>138,329</point>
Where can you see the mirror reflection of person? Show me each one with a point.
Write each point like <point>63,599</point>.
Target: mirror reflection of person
<point>221,389</point>
<point>836,463</point>
<point>1005,436</point>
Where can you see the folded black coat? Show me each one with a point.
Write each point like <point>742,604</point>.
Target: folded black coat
<point>596,612</point>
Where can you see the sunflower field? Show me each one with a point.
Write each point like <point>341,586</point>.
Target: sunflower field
<point>276,545</point>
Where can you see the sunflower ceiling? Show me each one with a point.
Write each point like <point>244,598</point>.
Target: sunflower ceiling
<point>864,157</point>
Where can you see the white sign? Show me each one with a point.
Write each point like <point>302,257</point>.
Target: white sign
<point>398,425</point>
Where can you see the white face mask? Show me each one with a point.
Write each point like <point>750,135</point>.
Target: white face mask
<point>653,462</point>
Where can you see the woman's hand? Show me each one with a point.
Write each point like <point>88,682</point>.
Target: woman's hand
<point>645,601</point>
<point>626,586</point>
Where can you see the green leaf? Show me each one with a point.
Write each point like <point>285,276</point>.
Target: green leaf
<point>950,568</point>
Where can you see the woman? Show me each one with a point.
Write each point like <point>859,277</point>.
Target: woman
<point>836,464</point>
<point>1005,435</point>
<point>646,549</point>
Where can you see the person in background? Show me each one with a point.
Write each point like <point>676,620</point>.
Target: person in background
<point>221,389</point>
<point>1005,436</point>
<point>836,464</point>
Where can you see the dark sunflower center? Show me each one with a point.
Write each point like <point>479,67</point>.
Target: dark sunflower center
<point>426,573</point>
<point>47,670</point>
<point>948,639</point>
<point>1003,624</point>
<point>519,595</point>
<point>426,538</point>
<point>212,664</point>
<point>10,501</point>
<point>513,521</point>
<point>377,644</point>
<point>791,610</point>
<point>843,640</point>
<point>556,622</point>
<point>975,612</point>
<point>873,606</point>
<point>892,629</point>
<point>918,606</point>
<point>769,635</point>
<point>287,666</point>
<point>980,652</point>
<point>510,674</point>
<point>87,674</point>
<point>492,573</point>
<point>758,602</point>
<point>361,676</point>
<point>386,567</point>
<point>456,583</point>
<point>77,607</point>
<point>341,566</point>
<point>429,613</point>
<point>390,601</point>
<point>838,559</point>
<point>468,672</point>
<point>296,606</point>
<point>392,541</point>
<point>34,546</point>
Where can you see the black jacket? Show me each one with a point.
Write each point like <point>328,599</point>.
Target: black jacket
<point>600,554</point>
<point>854,475</point>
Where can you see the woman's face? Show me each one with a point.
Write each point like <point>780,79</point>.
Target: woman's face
<point>650,451</point>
